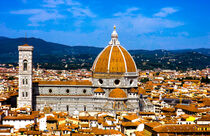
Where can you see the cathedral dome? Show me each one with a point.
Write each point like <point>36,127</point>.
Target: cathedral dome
<point>117,93</point>
<point>114,58</point>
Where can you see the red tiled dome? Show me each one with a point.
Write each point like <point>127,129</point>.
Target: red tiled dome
<point>99,90</point>
<point>117,93</point>
<point>114,59</point>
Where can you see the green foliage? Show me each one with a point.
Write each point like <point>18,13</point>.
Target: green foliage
<point>205,80</point>
<point>11,78</point>
<point>59,72</point>
<point>157,73</point>
<point>144,80</point>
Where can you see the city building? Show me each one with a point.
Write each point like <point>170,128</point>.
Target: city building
<point>113,86</point>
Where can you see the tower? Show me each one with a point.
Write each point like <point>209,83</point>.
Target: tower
<point>25,76</point>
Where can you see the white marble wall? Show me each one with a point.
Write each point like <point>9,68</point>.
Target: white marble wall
<point>25,76</point>
<point>124,82</point>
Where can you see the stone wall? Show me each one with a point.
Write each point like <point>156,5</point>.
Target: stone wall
<point>63,90</point>
<point>72,98</point>
<point>70,103</point>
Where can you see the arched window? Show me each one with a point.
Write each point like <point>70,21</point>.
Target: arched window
<point>67,90</point>
<point>50,90</point>
<point>85,108</point>
<point>25,63</point>
<point>26,94</point>
<point>117,82</point>
<point>100,81</point>
<point>67,107</point>
<point>23,81</point>
<point>26,81</point>
<point>131,82</point>
<point>23,94</point>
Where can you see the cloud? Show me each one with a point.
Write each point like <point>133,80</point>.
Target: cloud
<point>52,3</point>
<point>72,3</point>
<point>27,11</point>
<point>49,11</point>
<point>39,15</point>
<point>136,24</point>
<point>128,12</point>
<point>100,38</point>
<point>81,12</point>
<point>165,12</point>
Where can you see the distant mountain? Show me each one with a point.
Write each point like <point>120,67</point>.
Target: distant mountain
<point>9,49</point>
<point>204,51</point>
<point>43,48</point>
<point>2,37</point>
<point>59,56</point>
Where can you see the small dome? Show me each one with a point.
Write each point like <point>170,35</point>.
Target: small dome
<point>133,90</point>
<point>117,93</point>
<point>99,90</point>
<point>25,45</point>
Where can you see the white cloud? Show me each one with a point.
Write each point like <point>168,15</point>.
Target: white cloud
<point>76,8</point>
<point>27,11</point>
<point>138,24</point>
<point>128,12</point>
<point>102,37</point>
<point>72,3</point>
<point>55,3</point>
<point>52,3</point>
<point>165,12</point>
<point>81,12</point>
<point>130,24</point>
<point>39,15</point>
<point>50,10</point>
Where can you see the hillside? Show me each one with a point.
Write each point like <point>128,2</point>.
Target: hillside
<point>58,56</point>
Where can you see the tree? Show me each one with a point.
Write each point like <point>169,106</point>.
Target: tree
<point>144,80</point>
<point>205,79</point>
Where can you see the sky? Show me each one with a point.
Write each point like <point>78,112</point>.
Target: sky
<point>141,24</point>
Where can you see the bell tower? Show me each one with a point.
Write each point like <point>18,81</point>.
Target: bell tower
<point>25,76</point>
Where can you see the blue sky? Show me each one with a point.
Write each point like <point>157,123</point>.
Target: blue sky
<point>141,24</point>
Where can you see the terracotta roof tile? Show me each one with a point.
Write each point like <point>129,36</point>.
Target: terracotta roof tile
<point>131,117</point>
<point>21,117</point>
<point>87,118</point>
<point>99,90</point>
<point>128,124</point>
<point>116,58</point>
<point>117,93</point>
<point>133,90</point>
<point>181,128</point>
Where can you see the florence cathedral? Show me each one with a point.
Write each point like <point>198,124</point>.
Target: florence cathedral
<point>113,86</point>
